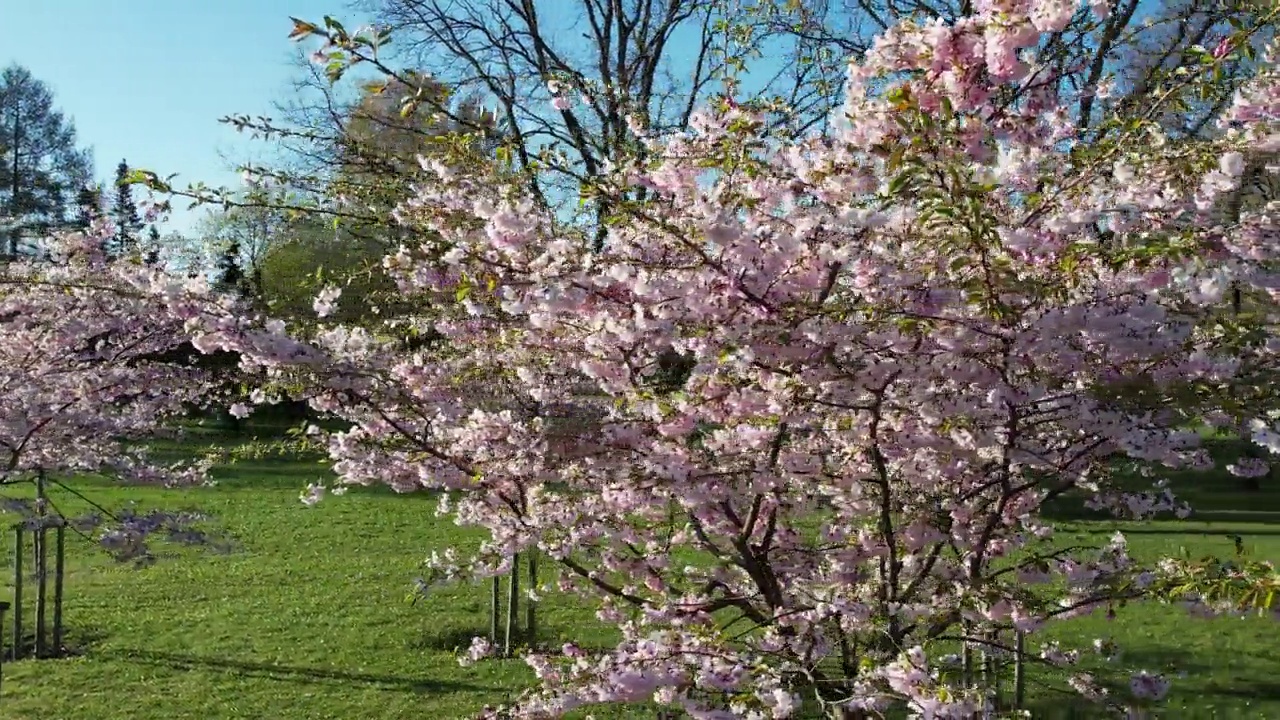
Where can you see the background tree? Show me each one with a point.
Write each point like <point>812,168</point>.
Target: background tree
<point>566,79</point>
<point>88,206</point>
<point>566,76</point>
<point>230,278</point>
<point>312,256</point>
<point>41,168</point>
<point>349,151</point>
<point>322,209</point>
<point>376,150</point>
<point>152,256</point>
<point>240,236</point>
<point>124,211</point>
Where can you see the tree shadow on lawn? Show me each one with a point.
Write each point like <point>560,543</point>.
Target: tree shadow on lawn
<point>1257,690</point>
<point>451,638</point>
<point>76,642</point>
<point>1166,530</point>
<point>1249,679</point>
<point>1195,691</point>
<point>1070,508</point>
<point>293,674</point>
<point>1215,495</point>
<point>1162,659</point>
<point>456,639</point>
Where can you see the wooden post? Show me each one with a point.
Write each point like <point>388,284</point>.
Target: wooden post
<point>59,571</point>
<point>17,593</point>
<point>4,606</point>
<point>40,538</point>
<point>513,605</point>
<point>495,599</point>
<point>992,675</point>
<point>42,567</point>
<point>984,667</point>
<point>531,610</point>
<point>1019,671</point>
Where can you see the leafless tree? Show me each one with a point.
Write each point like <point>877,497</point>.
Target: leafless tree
<point>609,61</point>
<point>658,60</point>
<point>1114,65</point>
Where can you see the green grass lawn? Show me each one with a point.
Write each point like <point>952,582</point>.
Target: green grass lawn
<point>309,619</point>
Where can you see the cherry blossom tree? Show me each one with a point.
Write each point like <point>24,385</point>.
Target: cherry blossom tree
<point>794,428</point>
<point>90,366</point>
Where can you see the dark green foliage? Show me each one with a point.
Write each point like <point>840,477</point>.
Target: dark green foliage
<point>672,373</point>
<point>152,255</point>
<point>41,168</point>
<point>125,213</point>
<point>230,274</point>
<point>88,206</point>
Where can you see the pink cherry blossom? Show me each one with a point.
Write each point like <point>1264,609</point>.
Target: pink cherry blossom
<point>848,374</point>
<point>94,361</point>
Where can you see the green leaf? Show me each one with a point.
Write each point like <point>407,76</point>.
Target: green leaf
<point>333,24</point>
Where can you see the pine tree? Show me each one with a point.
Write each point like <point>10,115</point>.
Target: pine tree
<point>152,256</point>
<point>125,214</point>
<point>41,167</point>
<point>230,275</point>
<point>88,205</point>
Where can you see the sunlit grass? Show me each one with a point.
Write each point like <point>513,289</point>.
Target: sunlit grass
<point>309,618</point>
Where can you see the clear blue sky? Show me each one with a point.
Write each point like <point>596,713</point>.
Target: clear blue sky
<point>147,80</point>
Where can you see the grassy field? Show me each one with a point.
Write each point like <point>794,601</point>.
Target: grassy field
<point>309,619</point>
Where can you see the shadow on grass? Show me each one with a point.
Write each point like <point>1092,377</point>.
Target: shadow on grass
<point>1072,509</point>
<point>1257,690</point>
<point>449,639</point>
<point>1173,661</point>
<point>1166,530</point>
<point>457,639</point>
<point>293,674</point>
<point>1164,658</point>
<point>1215,495</point>
<point>75,643</point>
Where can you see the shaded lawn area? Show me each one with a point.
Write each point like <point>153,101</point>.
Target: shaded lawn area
<point>309,619</point>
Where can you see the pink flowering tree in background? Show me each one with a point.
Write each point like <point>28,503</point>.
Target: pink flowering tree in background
<point>91,365</point>
<point>794,428</point>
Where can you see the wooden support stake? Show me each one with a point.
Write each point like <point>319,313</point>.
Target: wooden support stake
<point>495,599</point>
<point>17,593</point>
<point>4,607</point>
<point>531,610</point>
<point>42,575</point>
<point>513,606</point>
<point>59,571</point>
<point>1019,671</point>
<point>991,672</point>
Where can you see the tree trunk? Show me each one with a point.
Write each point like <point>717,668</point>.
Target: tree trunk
<point>14,185</point>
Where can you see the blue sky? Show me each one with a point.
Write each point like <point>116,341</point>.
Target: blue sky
<point>147,80</point>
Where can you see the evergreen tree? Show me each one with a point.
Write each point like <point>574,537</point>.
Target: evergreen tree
<point>230,274</point>
<point>152,256</point>
<point>125,214</point>
<point>41,168</point>
<point>231,280</point>
<point>88,205</point>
